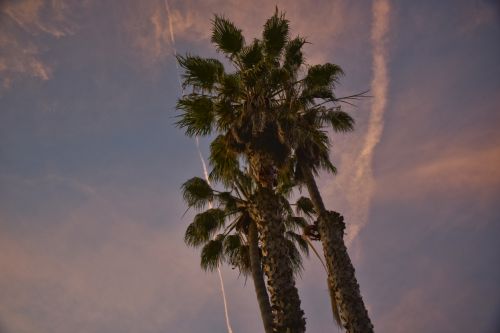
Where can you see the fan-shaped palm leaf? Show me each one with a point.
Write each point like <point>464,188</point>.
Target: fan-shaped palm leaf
<point>200,72</point>
<point>305,207</point>
<point>212,253</point>
<point>198,115</point>
<point>226,36</point>
<point>197,192</point>
<point>275,34</point>
<point>204,226</point>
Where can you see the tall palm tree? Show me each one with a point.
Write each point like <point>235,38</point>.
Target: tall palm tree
<point>309,108</point>
<point>237,244</point>
<point>302,108</point>
<point>240,106</point>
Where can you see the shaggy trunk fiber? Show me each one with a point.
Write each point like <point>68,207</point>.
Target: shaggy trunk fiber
<point>258,279</point>
<point>285,302</point>
<point>341,279</point>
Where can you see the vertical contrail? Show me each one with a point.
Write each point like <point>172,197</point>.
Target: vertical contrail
<point>203,164</point>
<point>363,184</point>
<point>205,173</point>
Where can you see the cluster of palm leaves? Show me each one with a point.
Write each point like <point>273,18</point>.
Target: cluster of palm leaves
<point>269,116</point>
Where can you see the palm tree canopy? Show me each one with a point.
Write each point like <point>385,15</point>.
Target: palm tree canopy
<point>269,102</point>
<point>231,216</point>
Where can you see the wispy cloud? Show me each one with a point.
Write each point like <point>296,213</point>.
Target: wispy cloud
<point>357,182</point>
<point>34,17</point>
<point>21,59</point>
<point>21,23</point>
<point>455,174</point>
<point>148,25</point>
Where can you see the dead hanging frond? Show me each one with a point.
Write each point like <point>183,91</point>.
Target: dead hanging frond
<point>335,307</point>
<point>333,300</point>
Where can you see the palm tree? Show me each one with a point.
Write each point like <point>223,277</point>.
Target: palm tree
<point>303,107</point>
<point>238,243</point>
<point>272,119</point>
<point>240,107</point>
<point>309,107</point>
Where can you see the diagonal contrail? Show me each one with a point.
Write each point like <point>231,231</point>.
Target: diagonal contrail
<point>202,160</point>
<point>363,184</point>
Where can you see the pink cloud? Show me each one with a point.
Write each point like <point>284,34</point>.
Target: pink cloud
<point>463,171</point>
<point>23,22</point>
<point>147,23</point>
<point>98,265</point>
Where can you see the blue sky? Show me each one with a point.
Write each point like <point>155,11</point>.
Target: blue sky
<point>91,226</point>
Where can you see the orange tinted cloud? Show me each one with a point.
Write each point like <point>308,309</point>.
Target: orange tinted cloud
<point>21,23</point>
<point>147,23</point>
<point>466,171</point>
<point>41,16</point>
<point>21,58</point>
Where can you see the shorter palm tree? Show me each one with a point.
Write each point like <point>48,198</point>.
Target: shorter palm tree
<point>311,108</point>
<point>228,233</point>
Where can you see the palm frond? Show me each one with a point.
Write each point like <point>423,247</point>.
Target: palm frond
<point>230,87</point>
<point>286,182</point>
<point>197,192</point>
<point>204,226</point>
<point>244,183</point>
<point>295,223</point>
<point>200,72</point>
<point>294,57</point>
<point>323,75</point>
<point>299,241</point>
<point>339,120</point>
<point>228,201</point>
<point>223,159</point>
<point>276,78</point>
<point>275,34</point>
<point>244,264</point>
<point>294,256</point>
<point>237,253</point>
<point>198,115</point>
<point>327,165</point>
<point>335,307</point>
<point>212,254</point>
<point>305,207</point>
<point>231,245</point>
<point>285,205</point>
<point>252,54</point>
<point>226,36</point>
<point>322,92</point>
<point>243,222</point>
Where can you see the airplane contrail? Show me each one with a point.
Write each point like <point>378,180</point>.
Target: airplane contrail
<point>205,173</point>
<point>202,160</point>
<point>363,184</point>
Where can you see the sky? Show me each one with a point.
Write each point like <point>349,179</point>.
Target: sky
<point>91,164</point>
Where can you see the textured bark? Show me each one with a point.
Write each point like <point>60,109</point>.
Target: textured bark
<point>258,279</point>
<point>285,302</point>
<point>341,275</point>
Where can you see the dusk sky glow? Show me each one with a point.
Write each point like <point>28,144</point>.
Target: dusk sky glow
<point>91,164</point>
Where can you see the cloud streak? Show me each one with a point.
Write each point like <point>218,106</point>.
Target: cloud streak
<point>363,185</point>
<point>202,160</point>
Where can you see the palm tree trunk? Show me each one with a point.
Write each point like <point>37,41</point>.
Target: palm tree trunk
<point>341,275</point>
<point>267,212</point>
<point>258,279</point>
